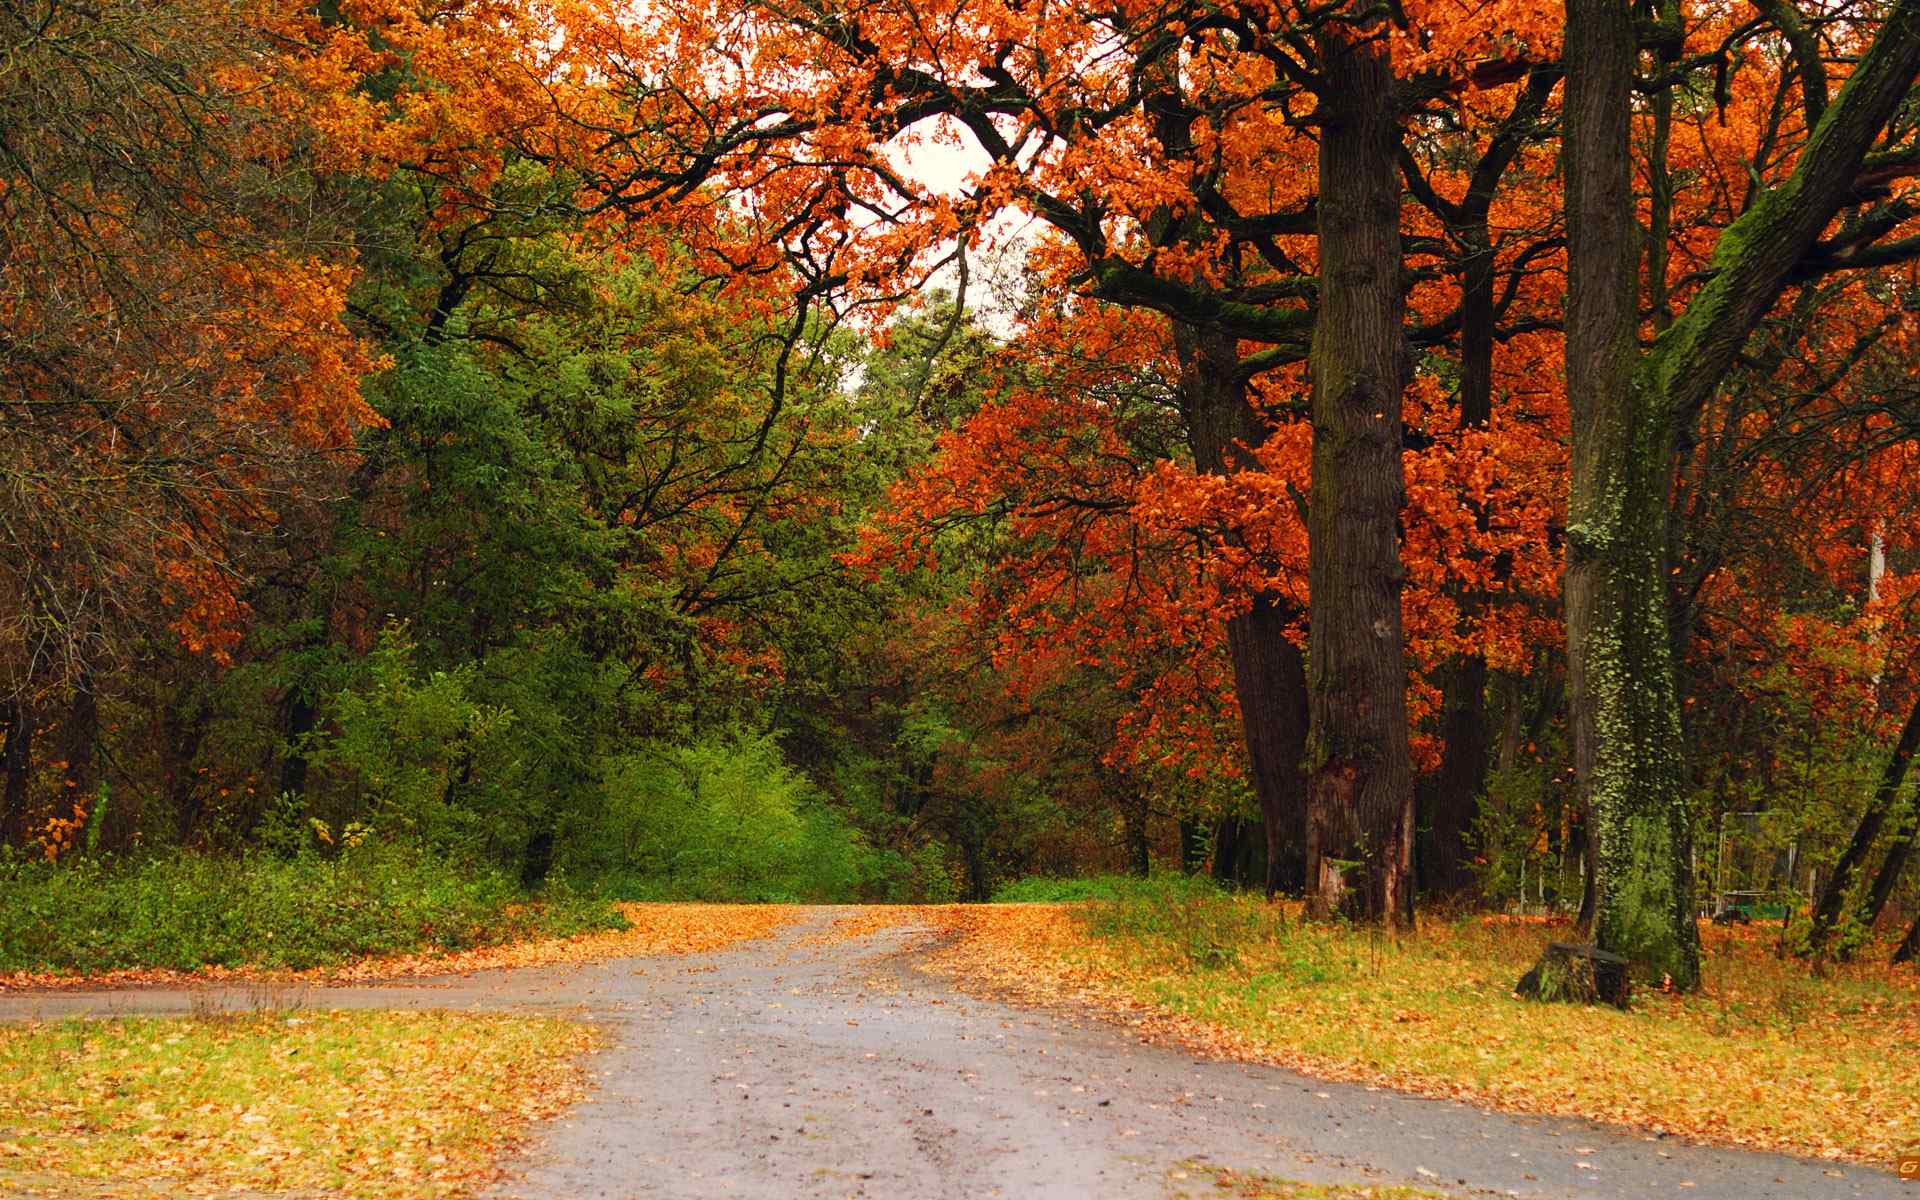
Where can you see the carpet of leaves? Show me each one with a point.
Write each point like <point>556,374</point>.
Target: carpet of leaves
<point>652,929</point>
<point>1765,1056</point>
<point>375,1105</point>
<point>865,921</point>
<point>1221,1183</point>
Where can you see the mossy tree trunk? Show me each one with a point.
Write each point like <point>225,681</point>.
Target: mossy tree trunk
<point>1627,408</point>
<point>1623,706</point>
<point>1360,778</point>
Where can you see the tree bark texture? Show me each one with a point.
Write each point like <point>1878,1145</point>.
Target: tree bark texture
<point>1623,703</point>
<point>1627,408</point>
<point>1447,801</point>
<point>1360,781</point>
<point>1269,672</point>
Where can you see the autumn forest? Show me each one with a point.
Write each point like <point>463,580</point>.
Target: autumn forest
<point>1442,455</point>
<point>1250,488</point>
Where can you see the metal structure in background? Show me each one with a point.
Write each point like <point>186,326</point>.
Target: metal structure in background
<point>1756,874</point>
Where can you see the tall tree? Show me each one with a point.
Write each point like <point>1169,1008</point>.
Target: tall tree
<point>1627,406</point>
<point>1360,782</point>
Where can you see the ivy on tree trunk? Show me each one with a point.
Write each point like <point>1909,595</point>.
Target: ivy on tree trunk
<point>1627,408</point>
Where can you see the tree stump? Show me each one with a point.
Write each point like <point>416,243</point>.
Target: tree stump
<point>1575,973</point>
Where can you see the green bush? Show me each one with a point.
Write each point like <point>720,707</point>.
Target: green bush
<point>727,819</point>
<point>1187,917</point>
<point>409,737</point>
<point>186,912</point>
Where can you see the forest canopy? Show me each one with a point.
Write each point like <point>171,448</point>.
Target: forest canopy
<point>1414,454</point>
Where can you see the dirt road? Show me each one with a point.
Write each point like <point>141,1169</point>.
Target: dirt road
<point>795,1068</point>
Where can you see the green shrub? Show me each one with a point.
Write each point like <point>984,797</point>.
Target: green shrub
<point>1187,915</point>
<point>187,912</point>
<point>408,737</point>
<point>727,819</point>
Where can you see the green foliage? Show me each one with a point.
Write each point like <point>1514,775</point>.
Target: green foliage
<point>188,911</point>
<point>410,737</point>
<point>1516,865</point>
<point>727,818</point>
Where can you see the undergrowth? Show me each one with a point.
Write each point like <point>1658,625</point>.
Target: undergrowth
<point>185,912</point>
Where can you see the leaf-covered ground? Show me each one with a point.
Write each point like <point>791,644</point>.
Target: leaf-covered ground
<point>651,929</point>
<point>1766,1056</point>
<point>385,1106</point>
<point>1196,1180</point>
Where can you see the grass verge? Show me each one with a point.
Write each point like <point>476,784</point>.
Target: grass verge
<point>1763,1056</point>
<point>386,1106</point>
<point>188,912</point>
<point>645,930</point>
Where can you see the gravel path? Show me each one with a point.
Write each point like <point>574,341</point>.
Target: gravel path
<point>795,1068</point>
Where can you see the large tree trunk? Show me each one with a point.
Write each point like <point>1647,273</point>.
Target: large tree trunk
<point>1269,673</point>
<point>1270,677</point>
<point>18,762</point>
<point>1832,902</point>
<point>1360,783</point>
<point>1622,701</point>
<point>1626,408</point>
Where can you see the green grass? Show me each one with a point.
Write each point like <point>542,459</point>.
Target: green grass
<point>1042,889</point>
<point>185,912</point>
<point>376,1104</point>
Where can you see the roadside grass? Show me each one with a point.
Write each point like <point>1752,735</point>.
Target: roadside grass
<point>1043,889</point>
<point>382,1105</point>
<point>643,930</point>
<point>1765,1055</point>
<point>184,912</point>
